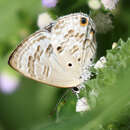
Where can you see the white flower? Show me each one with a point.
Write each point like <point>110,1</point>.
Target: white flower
<point>94,4</point>
<point>114,45</point>
<point>100,63</point>
<point>49,3</point>
<point>109,4</point>
<point>103,23</point>
<point>93,93</point>
<point>8,83</point>
<point>43,20</point>
<point>82,105</point>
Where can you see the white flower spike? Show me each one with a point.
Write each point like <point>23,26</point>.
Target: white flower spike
<point>109,4</point>
<point>43,20</point>
<point>82,105</point>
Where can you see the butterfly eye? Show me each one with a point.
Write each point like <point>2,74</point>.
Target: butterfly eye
<point>75,89</point>
<point>83,21</point>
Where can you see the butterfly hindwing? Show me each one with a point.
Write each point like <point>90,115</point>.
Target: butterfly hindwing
<point>35,58</point>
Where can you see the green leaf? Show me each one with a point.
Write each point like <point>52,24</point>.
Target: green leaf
<point>112,102</point>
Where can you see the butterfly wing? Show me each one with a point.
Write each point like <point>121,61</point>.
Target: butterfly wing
<point>57,54</point>
<point>35,58</point>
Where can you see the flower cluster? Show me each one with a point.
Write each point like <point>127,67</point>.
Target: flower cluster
<point>103,23</point>
<point>49,3</point>
<point>94,4</point>
<point>43,20</point>
<point>109,4</point>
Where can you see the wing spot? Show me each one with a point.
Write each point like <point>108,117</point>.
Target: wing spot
<point>41,38</point>
<point>70,64</point>
<point>77,35</point>
<point>81,35</point>
<point>38,48</point>
<point>69,34</point>
<point>31,65</point>
<point>66,35</point>
<point>38,53</point>
<point>74,49</point>
<point>91,59</point>
<point>38,39</point>
<point>41,52</point>
<point>57,26</point>
<point>83,21</point>
<point>46,71</point>
<point>79,59</point>
<point>71,31</point>
<point>49,50</point>
<point>59,49</point>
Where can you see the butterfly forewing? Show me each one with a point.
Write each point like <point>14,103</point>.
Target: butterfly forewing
<point>74,41</point>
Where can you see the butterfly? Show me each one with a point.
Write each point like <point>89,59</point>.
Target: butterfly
<point>59,54</point>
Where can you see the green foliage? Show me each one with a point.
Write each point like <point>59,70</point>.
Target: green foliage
<point>112,103</point>
<point>32,102</point>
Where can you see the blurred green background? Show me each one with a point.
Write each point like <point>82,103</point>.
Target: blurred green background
<point>30,104</point>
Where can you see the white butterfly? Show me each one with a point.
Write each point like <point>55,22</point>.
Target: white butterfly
<point>59,54</point>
